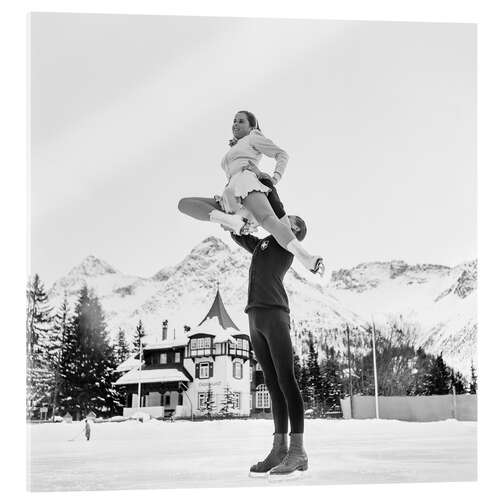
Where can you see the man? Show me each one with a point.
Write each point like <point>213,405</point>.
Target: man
<point>269,319</point>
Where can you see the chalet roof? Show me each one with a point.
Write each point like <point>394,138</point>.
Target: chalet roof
<point>219,311</point>
<point>167,344</point>
<point>149,376</point>
<point>128,364</point>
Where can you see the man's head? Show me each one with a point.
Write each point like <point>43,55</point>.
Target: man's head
<point>298,226</point>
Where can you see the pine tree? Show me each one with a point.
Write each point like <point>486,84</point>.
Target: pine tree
<point>457,381</point>
<point>473,380</point>
<point>420,381</point>
<point>122,353</point>
<point>314,387</point>
<point>122,349</point>
<point>59,336</point>
<point>208,405</point>
<point>138,335</point>
<point>88,362</point>
<point>439,377</point>
<point>331,381</point>
<point>228,402</point>
<point>38,323</point>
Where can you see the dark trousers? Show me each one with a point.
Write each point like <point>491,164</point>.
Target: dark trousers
<point>270,335</point>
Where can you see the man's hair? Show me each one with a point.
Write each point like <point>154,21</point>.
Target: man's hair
<point>302,231</point>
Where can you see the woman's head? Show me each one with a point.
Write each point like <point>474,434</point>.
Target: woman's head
<point>244,122</point>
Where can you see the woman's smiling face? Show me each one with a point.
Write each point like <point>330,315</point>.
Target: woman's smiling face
<point>241,126</point>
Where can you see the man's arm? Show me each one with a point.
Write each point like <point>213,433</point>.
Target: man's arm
<point>274,199</point>
<point>248,242</point>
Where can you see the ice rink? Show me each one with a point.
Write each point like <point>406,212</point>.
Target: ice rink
<point>183,454</point>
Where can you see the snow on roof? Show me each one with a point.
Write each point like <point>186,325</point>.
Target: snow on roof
<point>166,344</point>
<point>213,327</point>
<point>158,375</point>
<point>128,364</point>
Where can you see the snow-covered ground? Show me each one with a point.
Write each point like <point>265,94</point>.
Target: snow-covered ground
<point>183,454</point>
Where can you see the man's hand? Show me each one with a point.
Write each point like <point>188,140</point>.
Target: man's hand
<point>264,176</point>
<point>253,168</point>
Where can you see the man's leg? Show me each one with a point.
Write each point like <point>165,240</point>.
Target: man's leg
<point>263,355</point>
<point>278,339</point>
<point>280,414</point>
<point>280,345</point>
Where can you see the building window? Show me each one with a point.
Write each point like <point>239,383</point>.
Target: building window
<point>237,370</point>
<point>239,343</point>
<point>165,399</point>
<point>177,357</point>
<point>204,370</point>
<point>201,343</point>
<point>180,399</point>
<point>250,402</point>
<point>163,358</point>
<point>263,399</point>
<point>236,400</point>
<point>250,372</point>
<point>202,399</point>
<point>258,368</point>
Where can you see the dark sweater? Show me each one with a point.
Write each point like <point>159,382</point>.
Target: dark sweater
<point>270,262</point>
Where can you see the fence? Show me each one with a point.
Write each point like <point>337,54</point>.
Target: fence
<point>413,408</point>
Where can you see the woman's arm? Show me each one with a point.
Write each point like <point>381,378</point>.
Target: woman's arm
<point>268,148</point>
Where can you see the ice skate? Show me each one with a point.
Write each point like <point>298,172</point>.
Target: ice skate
<point>275,456</point>
<point>294,464</point>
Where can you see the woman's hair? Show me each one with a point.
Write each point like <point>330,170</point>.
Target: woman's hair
<point>252,120</point>
<point>302,231</point>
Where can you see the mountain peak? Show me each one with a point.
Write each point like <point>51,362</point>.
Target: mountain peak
<point>92,266</point>
<point>210,246</point>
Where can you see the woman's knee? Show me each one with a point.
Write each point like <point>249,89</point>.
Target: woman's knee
<point>183,204</point>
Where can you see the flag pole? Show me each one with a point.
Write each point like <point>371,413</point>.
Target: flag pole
<point>140,372</point>
<point>375,370</point>
<point>349,369</point>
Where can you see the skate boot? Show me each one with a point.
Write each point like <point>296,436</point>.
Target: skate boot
<point>295,462</point>
<point>275,456</point>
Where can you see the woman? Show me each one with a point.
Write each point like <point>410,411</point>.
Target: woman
<point>244,199</point>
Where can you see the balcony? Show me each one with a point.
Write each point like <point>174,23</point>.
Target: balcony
<point>240,353</point>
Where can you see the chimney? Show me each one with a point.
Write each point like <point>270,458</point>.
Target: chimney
<point>164,330</point>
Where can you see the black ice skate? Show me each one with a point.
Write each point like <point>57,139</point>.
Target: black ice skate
<point>275,456</point>
<point>294,464</point>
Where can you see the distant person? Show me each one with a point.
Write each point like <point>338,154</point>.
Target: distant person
<point>245,197</point>
<point>87,429</point>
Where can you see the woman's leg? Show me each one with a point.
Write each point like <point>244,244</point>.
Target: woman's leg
<point>258,204</point>
<point>207,209</point>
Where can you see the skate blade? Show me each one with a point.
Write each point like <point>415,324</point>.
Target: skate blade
<point>262,475</point>
<point>296,474</point>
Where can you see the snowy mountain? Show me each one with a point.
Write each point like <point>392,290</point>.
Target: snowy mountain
<point>439,301</point>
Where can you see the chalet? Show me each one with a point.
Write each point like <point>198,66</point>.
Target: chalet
<point>177,375</point>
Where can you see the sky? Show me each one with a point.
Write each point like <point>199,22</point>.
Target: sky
<point>131,113</point>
